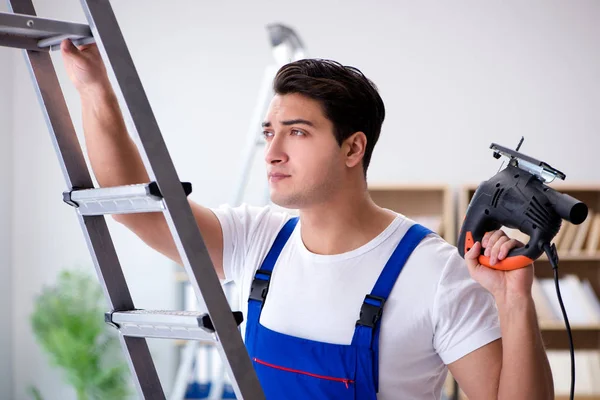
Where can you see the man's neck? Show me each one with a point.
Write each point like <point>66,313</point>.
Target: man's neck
<point>341,226</point>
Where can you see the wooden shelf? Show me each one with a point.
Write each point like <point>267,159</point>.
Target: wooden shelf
<point>584,337</point>
<point>572,257</point>
<point>560,396</point>
<point>557,397</point>
<point>560,326</point>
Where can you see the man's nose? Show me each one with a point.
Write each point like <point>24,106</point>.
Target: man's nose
<point>275,150</point>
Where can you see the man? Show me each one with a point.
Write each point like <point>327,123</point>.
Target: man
<point>319,333</point>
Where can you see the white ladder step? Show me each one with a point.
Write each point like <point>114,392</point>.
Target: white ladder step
<point>166,324</point>
<point>35,33</point>
<point>126,199</point>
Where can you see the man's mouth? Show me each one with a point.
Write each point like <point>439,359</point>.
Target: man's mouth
<point>276,176</point>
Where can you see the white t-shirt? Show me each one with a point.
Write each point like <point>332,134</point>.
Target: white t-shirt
<point>435,314</point>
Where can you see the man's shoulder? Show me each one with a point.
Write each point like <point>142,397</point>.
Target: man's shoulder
<point>434,248</point>
<point>248,232</point>
<point>434,262</point>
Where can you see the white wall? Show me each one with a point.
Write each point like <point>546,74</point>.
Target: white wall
<point>455,77</point>
<point>6,178</point>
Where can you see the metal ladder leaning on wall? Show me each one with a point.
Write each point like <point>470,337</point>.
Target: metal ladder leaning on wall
<point>165,193</point>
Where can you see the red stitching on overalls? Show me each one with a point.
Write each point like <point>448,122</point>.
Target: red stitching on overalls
<point>329,378</point>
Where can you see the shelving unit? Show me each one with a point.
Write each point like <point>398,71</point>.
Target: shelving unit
<point>583,261</point>
<point>579,397</point>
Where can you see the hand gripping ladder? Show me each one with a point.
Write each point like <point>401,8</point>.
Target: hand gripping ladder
<point>21,28</point>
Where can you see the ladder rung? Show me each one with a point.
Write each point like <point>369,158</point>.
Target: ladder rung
<point>35,33</point>
<point>188,325</point>
<point>139,198</point>
<point>54,42</point>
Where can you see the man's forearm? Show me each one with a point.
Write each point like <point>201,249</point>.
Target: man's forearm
<point>113,155</point>
<point>526,373</point>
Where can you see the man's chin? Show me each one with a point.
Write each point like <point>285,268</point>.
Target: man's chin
<point>289,202</point>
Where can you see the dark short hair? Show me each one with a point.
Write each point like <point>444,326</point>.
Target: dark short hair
<point>349,99</point>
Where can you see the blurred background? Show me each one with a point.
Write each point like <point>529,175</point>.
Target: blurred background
<point>455,77</point>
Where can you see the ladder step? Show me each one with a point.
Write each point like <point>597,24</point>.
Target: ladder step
<point>187,325</point>
<point>139,198</point>
<point>34,33</point>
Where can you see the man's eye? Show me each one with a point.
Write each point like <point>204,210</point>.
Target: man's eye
<point>297,132</point>
<point>267,134</point>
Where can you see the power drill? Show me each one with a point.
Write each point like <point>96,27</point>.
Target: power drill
<point>517,197</point>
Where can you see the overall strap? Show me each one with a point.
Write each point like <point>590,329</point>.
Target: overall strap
<point>262,277</point>
<point>366,333</point>
<point>391,271</point>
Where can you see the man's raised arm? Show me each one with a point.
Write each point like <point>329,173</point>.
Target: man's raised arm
<point>115,158</point>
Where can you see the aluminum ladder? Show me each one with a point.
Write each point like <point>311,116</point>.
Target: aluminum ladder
<point>37,37</point>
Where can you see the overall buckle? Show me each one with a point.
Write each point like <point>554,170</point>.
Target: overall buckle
<point>260,286</point>
<point>371,311</point>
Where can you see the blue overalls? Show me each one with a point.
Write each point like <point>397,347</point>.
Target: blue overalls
<point>293,368</point>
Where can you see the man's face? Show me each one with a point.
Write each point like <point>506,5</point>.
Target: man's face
<point>304,162</point>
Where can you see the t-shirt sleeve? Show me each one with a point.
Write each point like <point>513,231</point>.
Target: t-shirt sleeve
<point>465,314</point>
<point>244,228</point>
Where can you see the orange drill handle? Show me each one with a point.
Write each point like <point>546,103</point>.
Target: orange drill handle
<point>508,264</point>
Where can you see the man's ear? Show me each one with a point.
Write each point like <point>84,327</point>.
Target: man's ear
<point>354,149</point>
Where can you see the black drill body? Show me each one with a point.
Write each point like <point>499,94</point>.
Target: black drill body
<point>517,199</point>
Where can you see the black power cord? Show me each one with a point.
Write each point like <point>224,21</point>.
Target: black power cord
<point>550,251</point>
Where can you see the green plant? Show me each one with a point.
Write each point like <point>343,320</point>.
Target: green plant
<point>68,322</point>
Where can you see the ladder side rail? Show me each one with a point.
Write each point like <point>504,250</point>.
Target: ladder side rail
<point>19,42</point>
<point>95,229</point>
<point>185,231</point>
